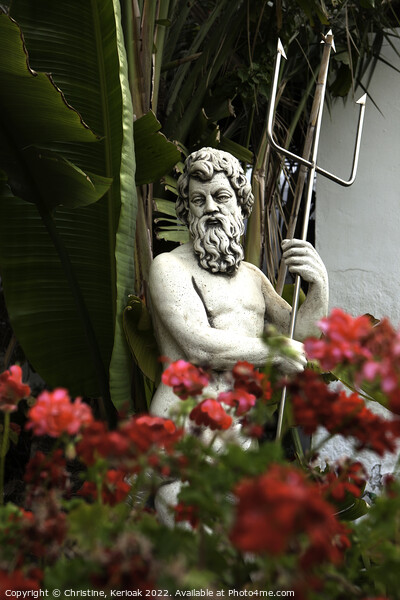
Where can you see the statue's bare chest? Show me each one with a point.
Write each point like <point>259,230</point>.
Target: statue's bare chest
<point>234,301</point>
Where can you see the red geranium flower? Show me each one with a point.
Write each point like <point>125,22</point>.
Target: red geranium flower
<point>134,438</point>
<point>44,530</point>
<point>94,443</point>
<point>114,489</point>
<point>127,565</point>
<point>185,379</point>
<point>210,413</point>
<point>315,404</point>
<point>184,512</point>
<point>247,378</point>
<point>342,341</point>
<point>12,390</point>
<point>239,398</point>
<point>55,414</point>
<point>279,510</point>
<point>17,581</point>
<point>146,431</point>
<point>47,471</point>
<point>346,478</point>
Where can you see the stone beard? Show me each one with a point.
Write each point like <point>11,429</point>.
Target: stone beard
<point>216,240</point>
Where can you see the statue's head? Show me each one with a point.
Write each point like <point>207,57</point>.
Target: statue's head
<point>214,199</point>
<point>203,165</point>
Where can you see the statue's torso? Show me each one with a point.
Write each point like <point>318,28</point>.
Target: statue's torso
<point>232,303</point>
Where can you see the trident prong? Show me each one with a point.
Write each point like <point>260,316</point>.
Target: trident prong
<point>300,159</point>
<point>316,118</point>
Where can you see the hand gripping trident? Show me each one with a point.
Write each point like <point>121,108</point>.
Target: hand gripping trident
<point>316,120</point>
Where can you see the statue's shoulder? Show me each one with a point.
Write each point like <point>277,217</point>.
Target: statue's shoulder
<point>175,258</point>
<point>255,271</point>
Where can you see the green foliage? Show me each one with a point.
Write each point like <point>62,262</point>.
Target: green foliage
<point>66,273</point>
<point>155,156</point>
<point>91,521</point>
<point>139,332</point>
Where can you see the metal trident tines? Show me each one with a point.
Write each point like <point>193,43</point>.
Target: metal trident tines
<point>310,163</point>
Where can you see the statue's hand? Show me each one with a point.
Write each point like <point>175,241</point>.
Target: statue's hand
<point>302,259</point>
<point>294,360</point>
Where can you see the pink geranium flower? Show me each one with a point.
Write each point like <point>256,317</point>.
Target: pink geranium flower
<point>343,340</point>
<point>54,414</point>
<point>185,379</point>
<point>12,390</point>
<point>239,399</point>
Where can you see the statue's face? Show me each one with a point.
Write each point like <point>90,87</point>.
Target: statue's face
<point>212,197</point>
<point>216,224</point>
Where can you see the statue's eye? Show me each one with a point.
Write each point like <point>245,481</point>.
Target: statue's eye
<point>224,197</point>
<point>197,200</point>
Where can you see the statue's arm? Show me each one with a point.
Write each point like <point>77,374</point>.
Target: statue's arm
<point>181,315</point>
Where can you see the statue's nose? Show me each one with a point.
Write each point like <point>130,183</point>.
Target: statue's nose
<point>210,206</point>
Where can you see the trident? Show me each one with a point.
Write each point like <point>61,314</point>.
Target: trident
<point>310,164</point>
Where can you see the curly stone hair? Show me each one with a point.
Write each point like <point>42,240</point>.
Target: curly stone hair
<point>202,164</point>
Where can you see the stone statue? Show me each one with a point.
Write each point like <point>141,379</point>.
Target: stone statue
<point>208,305</point>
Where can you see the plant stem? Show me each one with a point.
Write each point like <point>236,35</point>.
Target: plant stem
<point>3,453</point>
<point>297,445</point>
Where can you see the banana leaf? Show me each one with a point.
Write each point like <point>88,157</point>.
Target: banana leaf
<point>67,271</point>
<point>139,332</point>
<point>155,155</point>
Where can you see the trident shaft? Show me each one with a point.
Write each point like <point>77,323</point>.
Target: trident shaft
<point>311,165</point>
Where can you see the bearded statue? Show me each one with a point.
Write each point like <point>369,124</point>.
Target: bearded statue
<point>209,306</point>
<point>216,235</point>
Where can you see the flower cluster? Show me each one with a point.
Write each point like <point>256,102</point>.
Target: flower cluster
<point>382,369</point>
<point>127,565</point>
<point>54,414</point>
<point>185,379</point>
<point>239,399</point>
<point>276,510</point>
<point>127,447</point>
<point>248,385</point>
<point>315,404</point>
<point>39,532</point>
<point>114,488</point>
<point>17,581</point>
<point>370,354</point>
<point>247,378</point>
<point>210,413</point>
<point>345,478</point>
<point>47,472</point>
<point>95,503</point>
<point>342,342</point>
<point>186,513</point>
<point>12,389</point>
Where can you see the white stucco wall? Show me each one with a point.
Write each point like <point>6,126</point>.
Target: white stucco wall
<point>358,228</point>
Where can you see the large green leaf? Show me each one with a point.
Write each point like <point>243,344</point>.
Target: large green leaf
<point>49,168</point>
<point>81,44</point>
<point>156,156</point>
<point>139,332</point>
<point>32,103</point>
